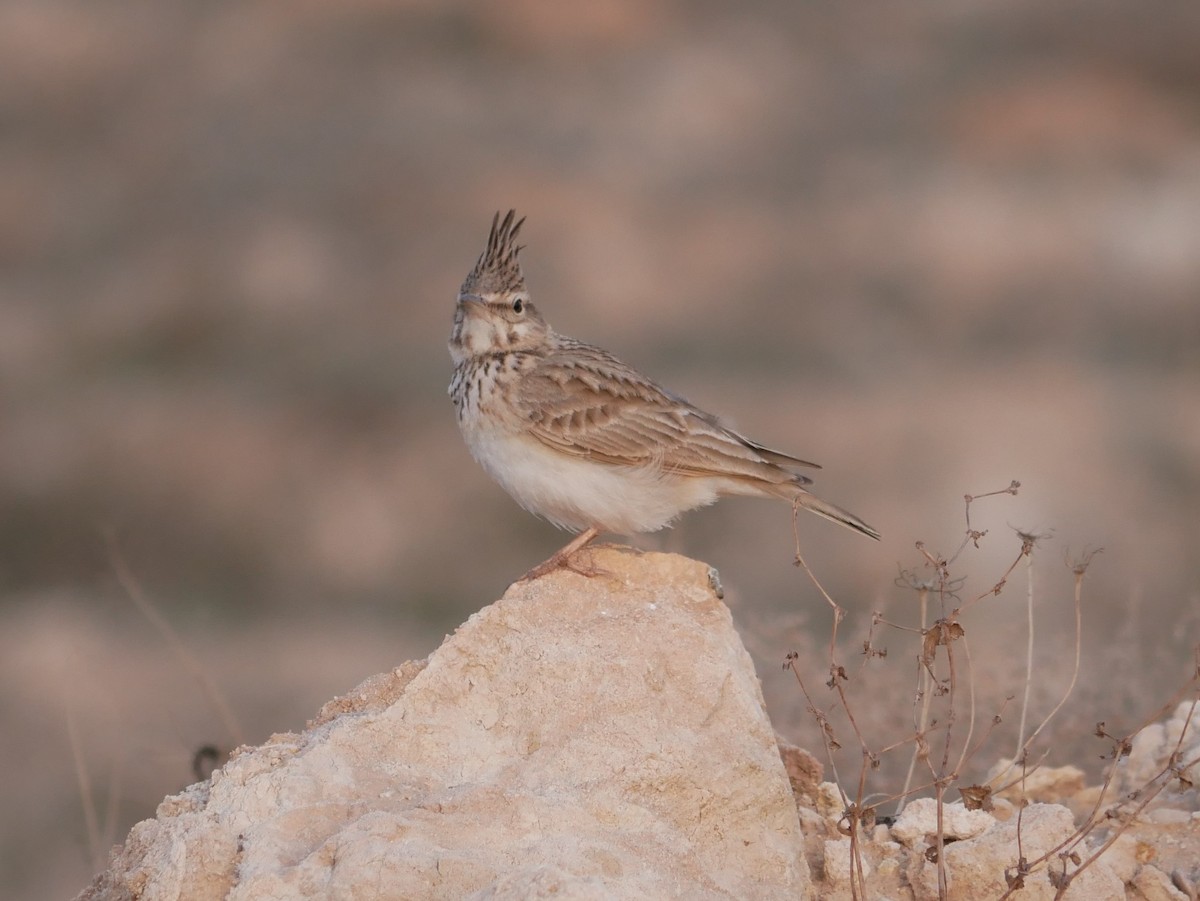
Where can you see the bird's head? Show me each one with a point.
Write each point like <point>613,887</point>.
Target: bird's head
<point>494,313</point>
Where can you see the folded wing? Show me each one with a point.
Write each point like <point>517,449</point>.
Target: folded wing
<point>583,401</point>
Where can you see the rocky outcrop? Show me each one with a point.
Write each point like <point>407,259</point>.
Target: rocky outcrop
<point>580,738</point>
<point>605,737</point>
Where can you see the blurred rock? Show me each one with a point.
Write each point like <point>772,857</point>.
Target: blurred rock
<point>1153,748</point>
<point>600,737</point>
<point>1048,784</point>
<point>1153,884</point>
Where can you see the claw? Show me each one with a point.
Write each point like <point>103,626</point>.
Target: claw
<point>564,558</point>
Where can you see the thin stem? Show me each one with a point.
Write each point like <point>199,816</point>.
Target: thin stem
<point>189,661</point>
<point>1028,653</point>
<point>88,799</point>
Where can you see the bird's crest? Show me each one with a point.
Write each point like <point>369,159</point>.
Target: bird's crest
<point>498,270</point>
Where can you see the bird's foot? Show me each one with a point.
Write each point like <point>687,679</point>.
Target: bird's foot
<point>573,562</point>
<point>567,558</point>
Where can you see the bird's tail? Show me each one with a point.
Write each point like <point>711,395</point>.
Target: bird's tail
<point>801,498</point>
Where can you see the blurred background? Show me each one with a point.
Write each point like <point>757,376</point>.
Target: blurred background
<point>934,247</point>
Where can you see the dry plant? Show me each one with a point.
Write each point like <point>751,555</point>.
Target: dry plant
<point>946,734</point>
<point>100,836</point>
<point>1066,860</point>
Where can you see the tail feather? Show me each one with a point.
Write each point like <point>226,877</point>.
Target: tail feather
<point>802,498</point>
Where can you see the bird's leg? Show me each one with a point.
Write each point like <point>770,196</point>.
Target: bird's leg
<point>563,558</point>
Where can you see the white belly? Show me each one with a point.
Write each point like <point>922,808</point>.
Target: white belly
<point>576,493</point>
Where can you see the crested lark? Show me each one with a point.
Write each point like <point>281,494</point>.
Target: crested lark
<point>578,437</point>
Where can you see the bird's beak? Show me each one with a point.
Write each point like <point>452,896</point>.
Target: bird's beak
<point>471,298</point>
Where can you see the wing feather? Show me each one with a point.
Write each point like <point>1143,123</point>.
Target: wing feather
<point>583,401</point>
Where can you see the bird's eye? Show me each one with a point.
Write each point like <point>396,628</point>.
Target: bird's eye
<point>518,305</point>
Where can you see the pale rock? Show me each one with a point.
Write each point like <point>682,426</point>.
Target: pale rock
<point>829,801</point>
<point>975,866</point>
<point>1152,748</point>
<point>578,739</point>
<point>812,822</point>
<point>918,823</point>
<point>1145,758</point>
<point>1168,816</point>
<point>1002,809</point>
<point>544,882</point>
<point>1047,784</point>
<point>839,863</point>
<point>1123,857</point>
<point>1152,884</point>
<point>889,865</point>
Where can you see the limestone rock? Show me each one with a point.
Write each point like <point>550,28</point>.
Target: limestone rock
<point>1153,747</point>
<point>580,738</point>
<point>975,866</point>
<point>839,863</point>
<point>804,772</point>
<point>1047,784</point>
<point>1153,884</point>
<point>918,824</point>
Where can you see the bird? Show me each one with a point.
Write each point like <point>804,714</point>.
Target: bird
<point>583,440</point>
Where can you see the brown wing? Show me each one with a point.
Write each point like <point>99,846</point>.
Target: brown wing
<point>581,400</point>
